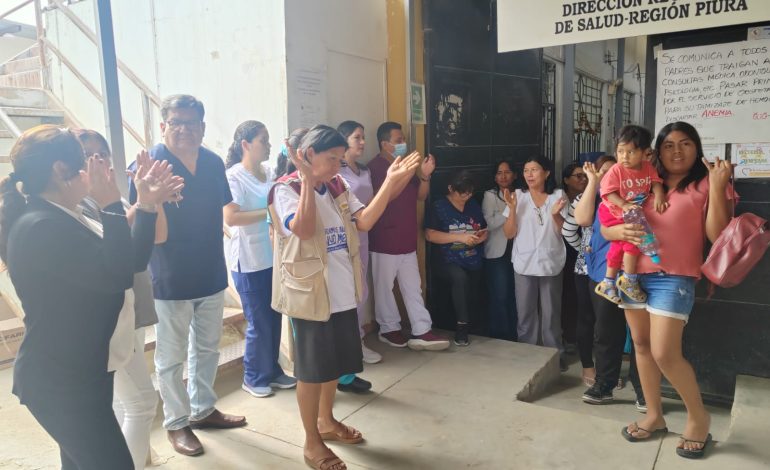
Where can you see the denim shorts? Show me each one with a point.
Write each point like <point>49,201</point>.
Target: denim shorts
<point>667,295</point>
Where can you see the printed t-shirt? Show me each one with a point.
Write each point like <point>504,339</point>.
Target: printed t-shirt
<point>444,217</point>
<point>631,185</point>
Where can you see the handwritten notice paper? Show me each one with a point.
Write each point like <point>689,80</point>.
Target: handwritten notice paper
<point>753,160</point>
<point>723,90</point>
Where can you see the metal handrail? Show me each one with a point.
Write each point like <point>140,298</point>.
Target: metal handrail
<point>94,91</point>
<point>92,37</point>
<point>9,123</point>
<point>16,8</point>
<point>148,96</point>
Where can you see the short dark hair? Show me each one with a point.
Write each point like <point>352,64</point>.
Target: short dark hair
<point>383,132</point>
<point>567,172</point>
<point>181,102</point>
<point>633,134</point>
<point>546,165</point>
<point>462,182</point>
<point>322,138</point>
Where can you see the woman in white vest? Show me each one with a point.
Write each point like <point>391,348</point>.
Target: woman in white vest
<point>316,219</point>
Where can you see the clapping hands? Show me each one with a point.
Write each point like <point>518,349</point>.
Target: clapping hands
<point>154,181</point>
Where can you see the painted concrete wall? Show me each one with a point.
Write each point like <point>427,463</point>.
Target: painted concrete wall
<point>336,67</point>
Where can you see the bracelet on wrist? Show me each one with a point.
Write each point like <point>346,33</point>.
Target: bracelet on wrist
<point>147,207</point>
<point>424,178</point>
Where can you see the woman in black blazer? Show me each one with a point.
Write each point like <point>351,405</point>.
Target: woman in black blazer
<point>71,281</point>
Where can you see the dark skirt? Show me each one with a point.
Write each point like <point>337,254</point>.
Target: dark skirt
<point>325,351</point>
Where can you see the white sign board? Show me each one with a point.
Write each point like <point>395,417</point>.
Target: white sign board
<point>532,24</point>
<point>752,160</point>
<point>723,90</point>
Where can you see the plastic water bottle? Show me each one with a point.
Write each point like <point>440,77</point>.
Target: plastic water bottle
<point>649,245</point>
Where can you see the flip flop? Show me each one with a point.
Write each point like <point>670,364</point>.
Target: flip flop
<point>348,436</point>
<point>325,463</point>
<point>693,454</point>
<point>631,438</point>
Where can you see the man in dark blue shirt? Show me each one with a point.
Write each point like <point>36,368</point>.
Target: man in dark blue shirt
<point>189,278</point>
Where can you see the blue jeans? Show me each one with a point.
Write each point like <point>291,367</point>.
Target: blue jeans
<point>188,330</point>
<point>263,333</point>
<point>502,298</point>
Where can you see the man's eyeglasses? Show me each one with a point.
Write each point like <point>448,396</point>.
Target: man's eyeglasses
<point>579,176</point>
<point>178,124</point>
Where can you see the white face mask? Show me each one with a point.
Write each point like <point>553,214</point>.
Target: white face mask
<point>399,150</point>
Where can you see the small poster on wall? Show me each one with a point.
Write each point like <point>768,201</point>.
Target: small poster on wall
<point>417,100</point>
<point>714,151</point>
<point>752,160</point>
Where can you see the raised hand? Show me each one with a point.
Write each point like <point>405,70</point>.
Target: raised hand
<point>510,199</point>
<point>719,172</point>
<point>154,181</point>
<point>404,167</point>
<point>591,172</point>
<point>559,206</point>
<point>428,165</point>
<point>101,182</point>
<point>297,157</point>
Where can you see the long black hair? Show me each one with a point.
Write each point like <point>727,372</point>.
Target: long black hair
<point>545,164</point>
<point>248,131</point>
<point>347,128</point>
<point>495,169</point>
<point>33,157</point>
<point>698,171</point>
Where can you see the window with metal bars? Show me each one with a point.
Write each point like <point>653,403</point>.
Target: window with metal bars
<point>628,98</point>
<point>588,115</point>
<point>549,110</point>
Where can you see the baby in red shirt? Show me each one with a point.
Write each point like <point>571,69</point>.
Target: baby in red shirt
<point>625,186</point>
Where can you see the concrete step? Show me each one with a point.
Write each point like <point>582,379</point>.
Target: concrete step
<point>15,97</point>
<point>26,118</point>
<point>28,79</point>
<point>20,65</point>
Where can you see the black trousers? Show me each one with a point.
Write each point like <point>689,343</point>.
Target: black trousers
<point>610,339</point>
<point>465,284</point>
<point>585,321</point>
<point>85,428</point>
<point>569,299</point>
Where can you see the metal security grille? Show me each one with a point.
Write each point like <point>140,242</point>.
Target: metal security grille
<point>628,98</point>
<point>549,110</point>
<point>588,115</point>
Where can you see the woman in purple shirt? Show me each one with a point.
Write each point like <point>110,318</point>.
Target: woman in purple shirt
<point>358,177</point>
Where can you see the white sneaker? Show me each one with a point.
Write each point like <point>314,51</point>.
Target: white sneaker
<point>370,356</point>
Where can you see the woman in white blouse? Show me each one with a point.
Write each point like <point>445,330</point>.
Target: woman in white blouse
<point>534,219</point>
